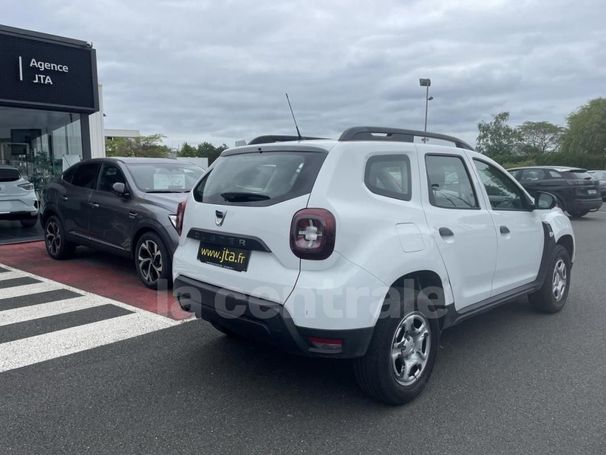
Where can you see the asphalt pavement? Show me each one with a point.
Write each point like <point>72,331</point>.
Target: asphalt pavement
<point>509,381</point>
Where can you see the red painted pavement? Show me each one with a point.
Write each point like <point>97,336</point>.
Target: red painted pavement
<point>95,272</point>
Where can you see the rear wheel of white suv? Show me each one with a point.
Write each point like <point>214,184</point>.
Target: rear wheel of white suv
<point>401,354</point>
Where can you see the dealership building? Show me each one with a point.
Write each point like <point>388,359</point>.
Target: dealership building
<point>50,113</point>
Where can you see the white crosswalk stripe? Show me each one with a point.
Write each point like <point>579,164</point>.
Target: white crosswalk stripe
<point>46,309</point>
<point>45,320</point>
<point>28,289</point>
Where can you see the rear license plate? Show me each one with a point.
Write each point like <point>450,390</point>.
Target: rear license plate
<point>224,256</point>
<point>592,191</point>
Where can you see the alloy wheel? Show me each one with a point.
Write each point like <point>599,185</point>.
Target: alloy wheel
<point>53,237</point>
<point>149,261</point>
<point>560,280</point>
<point>410,348</point>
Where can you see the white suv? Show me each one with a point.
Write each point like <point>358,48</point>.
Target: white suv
<point>18,200</point>
<point>366,247</point>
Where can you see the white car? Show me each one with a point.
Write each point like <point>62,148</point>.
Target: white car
<point>365,247</point>
<point>18,200</point>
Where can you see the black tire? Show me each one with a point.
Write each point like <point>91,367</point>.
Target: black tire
<point>376,372</point>
<point>224,331</point>
<point>547,299</point>
<point>57,246</point>
<point>578,214</point>
<point>561,203</point>
<point>153,261</point>
<point>29,222</point>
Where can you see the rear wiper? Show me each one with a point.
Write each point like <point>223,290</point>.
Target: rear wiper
<point>234,196</point>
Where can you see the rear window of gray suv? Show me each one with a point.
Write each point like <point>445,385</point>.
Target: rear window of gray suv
<point>9,175</point>
<point>260,178</point>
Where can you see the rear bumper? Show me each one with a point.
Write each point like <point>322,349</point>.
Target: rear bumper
<point>18,208</point>
<point>265,321</point>
<point>587,204</point>
<point>19,215</point>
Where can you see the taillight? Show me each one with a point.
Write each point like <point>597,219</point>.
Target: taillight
<point>180,215</point>
<point>312,234</point>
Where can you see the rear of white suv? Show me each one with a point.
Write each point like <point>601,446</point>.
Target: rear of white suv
<point>18,199</point>
<point>246,230</point>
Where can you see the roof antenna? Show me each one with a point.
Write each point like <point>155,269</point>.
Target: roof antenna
<point>293,118</point>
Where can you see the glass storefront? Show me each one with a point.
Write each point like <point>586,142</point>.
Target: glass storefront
<point>40,143</point>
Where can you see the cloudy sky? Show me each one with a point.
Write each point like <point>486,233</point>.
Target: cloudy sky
<point>217,70</point>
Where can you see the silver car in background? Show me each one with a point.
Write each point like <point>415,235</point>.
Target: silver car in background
<point>601,177</point>
<point>18,200</point>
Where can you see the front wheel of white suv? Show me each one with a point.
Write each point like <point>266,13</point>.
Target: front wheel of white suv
<point>553,295</point>
<point>401,355</point>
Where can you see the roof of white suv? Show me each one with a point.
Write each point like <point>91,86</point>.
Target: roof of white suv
<point>355,134</point>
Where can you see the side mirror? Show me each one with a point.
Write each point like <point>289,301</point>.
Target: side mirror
<point>545,201</point>
<point>120,189</point>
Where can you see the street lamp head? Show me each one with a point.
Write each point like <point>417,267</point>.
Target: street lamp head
<point>425,82</point>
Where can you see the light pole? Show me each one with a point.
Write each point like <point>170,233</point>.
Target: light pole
<point>426,82</point>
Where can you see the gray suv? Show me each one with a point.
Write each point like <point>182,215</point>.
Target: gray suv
<point>126,206</point>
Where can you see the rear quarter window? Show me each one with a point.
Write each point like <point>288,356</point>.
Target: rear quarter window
<point>388,175</point>
<point>260,178</point>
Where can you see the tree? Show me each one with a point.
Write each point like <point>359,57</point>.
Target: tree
<point>586,132</point>
<point>203,150</point>
<point>142,146</point>
<point>538,138</point>
<point>497,137</point>
<point>187,151</point>
<point>207,150</point>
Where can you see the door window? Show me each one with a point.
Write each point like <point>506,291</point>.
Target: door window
<point>85,175</point>
<point>110,175</point>
<point>502,191</point>
<point>449,183</point>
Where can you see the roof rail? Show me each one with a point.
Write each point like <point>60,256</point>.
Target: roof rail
<point>374,133</point>
<point>279,138</point>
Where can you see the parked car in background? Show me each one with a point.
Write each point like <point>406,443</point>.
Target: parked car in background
<point>577,192</point>
<point>600,176</point>
<point>18,200</point>
<point>126,206</point>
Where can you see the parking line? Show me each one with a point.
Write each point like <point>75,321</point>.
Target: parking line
<point>27,313</point>
<point>76,318</point>
<point>36,298</point>
<point>27,289</point>
<point>11,282</point>
<point>28,351</point>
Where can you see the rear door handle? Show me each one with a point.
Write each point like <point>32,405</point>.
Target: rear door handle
<point>445,232</point>
<point>94,205</point>
<point>504,230</point>
<point>65,197</point>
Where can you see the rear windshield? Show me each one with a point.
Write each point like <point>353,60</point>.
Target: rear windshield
<point>164,177</point>
<point>260,178</point>
<point>9,175</point>
<point>577,174</point>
